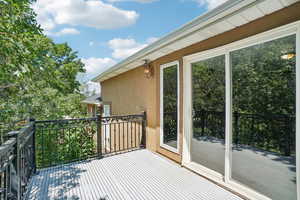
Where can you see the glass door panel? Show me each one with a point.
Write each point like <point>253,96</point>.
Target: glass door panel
<point>208,99</point>
<point>264,93</point>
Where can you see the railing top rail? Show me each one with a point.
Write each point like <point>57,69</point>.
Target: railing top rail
<point>7,146</point>
<point>124,116</point>
<point>89,119</point>
<point>65,120</point>
<point>26,128</point>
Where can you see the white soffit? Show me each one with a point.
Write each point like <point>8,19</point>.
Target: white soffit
<point>229,15</point>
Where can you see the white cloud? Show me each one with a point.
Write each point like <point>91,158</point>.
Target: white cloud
<point>210,3</point>
<point>90,88</point>
<point>65,31</point>
<point>90,13</point>
<point>95,66</point>
<point>123,48</point>
<point>139,1</point>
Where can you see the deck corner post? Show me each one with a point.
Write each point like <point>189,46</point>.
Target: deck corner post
<point>143,139</point>
<point>16,162</point>
<point>99,134</point>
<point>32,120</point>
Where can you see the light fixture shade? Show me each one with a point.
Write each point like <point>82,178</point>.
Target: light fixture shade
<point>147,69</point>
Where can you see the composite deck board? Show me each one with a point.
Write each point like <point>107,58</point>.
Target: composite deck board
<point>136,175</point>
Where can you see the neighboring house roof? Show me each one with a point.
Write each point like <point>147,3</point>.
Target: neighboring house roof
<point>92,99</point>
<point>225,17</point>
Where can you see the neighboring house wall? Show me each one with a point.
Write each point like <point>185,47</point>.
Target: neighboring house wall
<point>91,109</point>
<point>131,92</point>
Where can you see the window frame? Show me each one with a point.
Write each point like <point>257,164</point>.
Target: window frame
<point>162,144</point>
<point>280,32</point>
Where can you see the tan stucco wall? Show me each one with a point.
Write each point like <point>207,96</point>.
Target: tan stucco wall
<point>131,92</point>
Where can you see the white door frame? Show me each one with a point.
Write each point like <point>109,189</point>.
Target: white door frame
<point>286,30</point>
<point>162,67</point>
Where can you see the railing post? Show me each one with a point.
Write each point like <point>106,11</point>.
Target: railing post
<point>143,139</point>
<point>99,135</point>
<point>16,163</point>
<point>33,145</point>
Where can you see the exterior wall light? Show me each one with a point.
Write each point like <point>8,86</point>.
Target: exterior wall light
<point>148,70</point>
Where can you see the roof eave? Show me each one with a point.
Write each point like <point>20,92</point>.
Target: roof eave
<point>225,9</point>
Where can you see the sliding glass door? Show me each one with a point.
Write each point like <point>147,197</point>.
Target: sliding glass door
<point>240,114</point>
<point>169,107</point>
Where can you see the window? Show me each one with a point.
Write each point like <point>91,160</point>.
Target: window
<point>169,106</point>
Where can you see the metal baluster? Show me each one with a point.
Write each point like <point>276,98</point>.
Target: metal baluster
<point>123,136</point>
<point>135,137</point>
<point>110,138</point>
<point>105,136</point>
<point>127,134</point>
<point>69,145</point>
<point>43,150</point>
<point>119,133</point>
<point>131,145</point>
<point>115,138</point>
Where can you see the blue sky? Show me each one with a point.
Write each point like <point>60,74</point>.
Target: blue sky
<point>104,32</point>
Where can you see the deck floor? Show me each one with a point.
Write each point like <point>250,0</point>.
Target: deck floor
<point>137,175</point>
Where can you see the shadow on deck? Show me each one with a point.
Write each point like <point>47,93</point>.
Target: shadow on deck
<point>134,175</point>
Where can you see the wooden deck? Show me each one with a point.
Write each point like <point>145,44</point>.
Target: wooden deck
<point>137,175</point>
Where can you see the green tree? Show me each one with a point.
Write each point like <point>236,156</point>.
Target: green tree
<point>37,76</point>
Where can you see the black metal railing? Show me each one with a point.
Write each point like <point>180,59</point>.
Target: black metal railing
<point>17,162</point>
<point>6,159</point>
<point>46,143</point>
<point>122,133</point>
<point>64,141</point>
<point>69,140</point>
<point>269,132</point>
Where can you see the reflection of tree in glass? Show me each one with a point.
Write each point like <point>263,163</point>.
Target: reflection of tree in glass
<point>209,98</point>
<point>263,82</point>
<point>170,103</point>
<point>264,96</point>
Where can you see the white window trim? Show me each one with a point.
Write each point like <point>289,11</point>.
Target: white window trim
<point>283,31</point>
<point>162,67</point>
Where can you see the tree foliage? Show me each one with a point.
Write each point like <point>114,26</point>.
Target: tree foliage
<point>37,76</point>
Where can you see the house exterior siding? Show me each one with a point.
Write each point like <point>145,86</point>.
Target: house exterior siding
<point>131,92</point>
